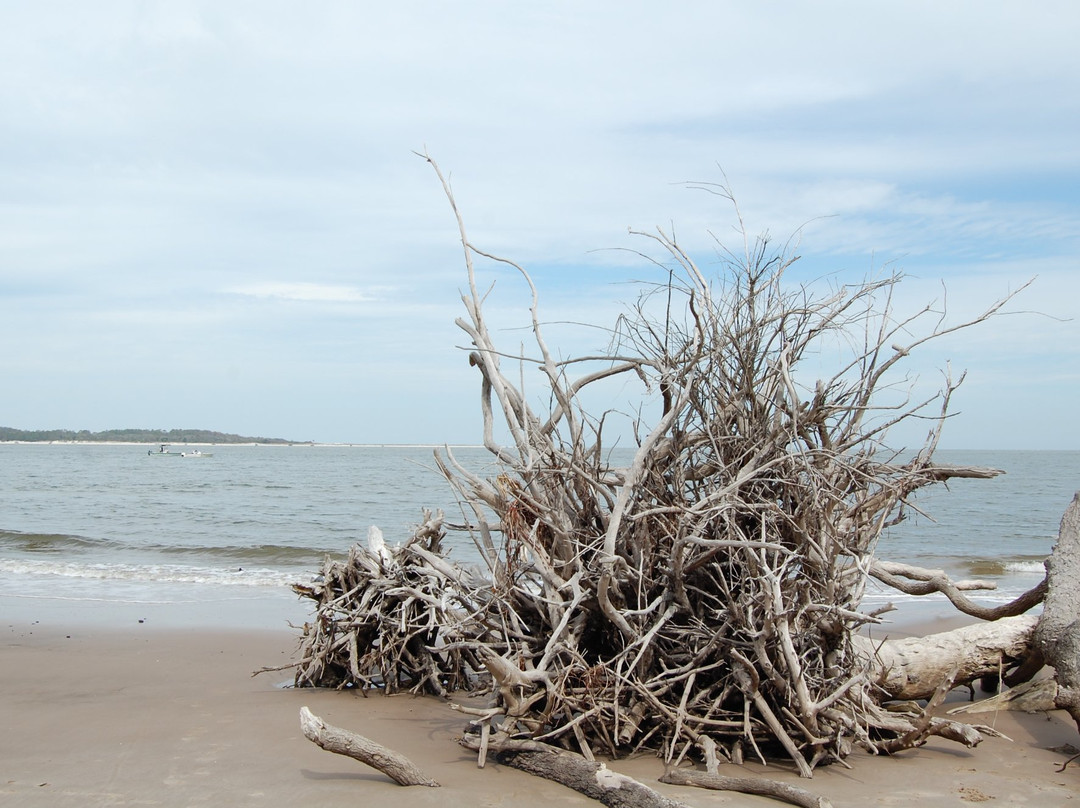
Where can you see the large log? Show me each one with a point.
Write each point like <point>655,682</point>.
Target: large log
<point>1055,639</point>
<point>1058,633</point>
<point>913,667</point>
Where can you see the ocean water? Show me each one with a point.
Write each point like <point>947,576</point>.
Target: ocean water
<point>107,531</point>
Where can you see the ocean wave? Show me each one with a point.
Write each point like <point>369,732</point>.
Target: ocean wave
<point>36,544</point>
<point>1016,565</point>
<point>153,573</point>
<point>121,600</point>
<point>278,554</point>
<point>52,542</point>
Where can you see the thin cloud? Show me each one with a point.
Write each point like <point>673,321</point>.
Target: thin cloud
<point>303,292</point>
<point>172,173</point>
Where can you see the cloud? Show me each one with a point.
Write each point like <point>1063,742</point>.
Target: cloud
<point>302,292</point>
<point>210,181</point>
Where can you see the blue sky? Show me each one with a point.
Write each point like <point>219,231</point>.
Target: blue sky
<point>211,214</point>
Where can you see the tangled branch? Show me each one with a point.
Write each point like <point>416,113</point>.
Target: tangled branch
<point>703,598</point>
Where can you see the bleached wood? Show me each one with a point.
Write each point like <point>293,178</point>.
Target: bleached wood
<point>343,742</point>
<point>590,778</point>
<point>913,667</point>
<point>708,595</point>
<point>1058,634</point>
<point>1035,696</point>
<point>919,581</point>
<point>746,785</point>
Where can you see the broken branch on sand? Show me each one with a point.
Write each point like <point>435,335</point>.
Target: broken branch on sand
<point>343,742</point>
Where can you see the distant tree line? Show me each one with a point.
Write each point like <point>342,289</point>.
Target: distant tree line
<point>133,436</point>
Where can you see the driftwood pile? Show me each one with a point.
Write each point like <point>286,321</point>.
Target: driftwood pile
<point>393,618</point>
<point>703,600</point>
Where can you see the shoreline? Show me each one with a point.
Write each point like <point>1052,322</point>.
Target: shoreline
<point>209,605</point>
<point>285,445</point>
<point>152,714</point>
<point>304,443</point>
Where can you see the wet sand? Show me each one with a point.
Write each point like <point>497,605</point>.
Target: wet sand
<point>140,715</point>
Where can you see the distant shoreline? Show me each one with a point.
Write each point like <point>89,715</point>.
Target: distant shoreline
<point>137,436</point>
<point>304,444</point>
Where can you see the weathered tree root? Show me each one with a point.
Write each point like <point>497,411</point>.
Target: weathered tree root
<point>703,594</point>
<point>745,785</point>
<point>343,742</point>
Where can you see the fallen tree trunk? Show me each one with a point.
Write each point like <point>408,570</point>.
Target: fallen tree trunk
<point>914,667</point>
<point>1055,638</point>
<point>343,742</point>
<point>1058,633</point>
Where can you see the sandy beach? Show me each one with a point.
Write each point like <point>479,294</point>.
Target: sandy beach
<point>139,714</point>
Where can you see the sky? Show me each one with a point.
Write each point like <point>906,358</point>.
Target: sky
<point>212,215</point>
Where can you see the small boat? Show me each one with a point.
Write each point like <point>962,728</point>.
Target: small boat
<point>196,453</point>
<point>162,452</point>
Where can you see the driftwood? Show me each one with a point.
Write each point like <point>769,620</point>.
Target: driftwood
<point>918,581</point>
<point>1034,696</point>
<point>1054,637</point>
<point>343,742</point>
<point>745,785</point>
<point>590,778</point>
<point>379,611</point>
<point>913,667</point>
<point>702,598</point>
<point>1058,634</point>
